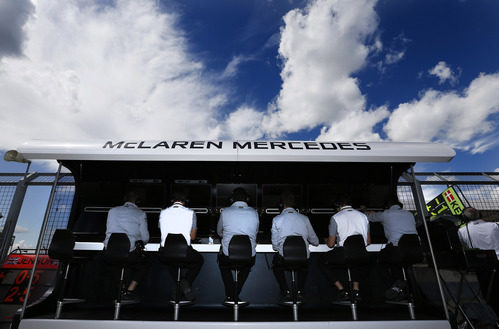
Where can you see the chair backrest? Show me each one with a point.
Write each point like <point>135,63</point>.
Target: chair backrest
<point>62,245</point>
<point>117,248</point>
<point>355,250</point>
<point>294,250</point>
<point>240,250</point>
<point>410,249</point>
<point>175,249</point>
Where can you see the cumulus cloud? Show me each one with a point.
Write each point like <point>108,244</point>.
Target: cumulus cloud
<point>13,16</point>
<point>245,123</point>
<point>98,71</point>
<point>22,245</point>
<point>21,229</point>
<point>451,117</point>
<point>444,73</point>
<point>321,47</point>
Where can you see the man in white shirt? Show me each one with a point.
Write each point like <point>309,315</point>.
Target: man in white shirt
<point>478,233</point>
<point>179,219</point>
<point>346,222</point>
<point>482,234</point>
<point>238,219</point>
<point>131,220</point>
<point>290,223</point>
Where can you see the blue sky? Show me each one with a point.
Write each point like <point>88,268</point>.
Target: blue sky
<point>360,70</point>
<point>339,70</point>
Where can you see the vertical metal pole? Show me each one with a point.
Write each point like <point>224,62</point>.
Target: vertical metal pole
<point>421,207</point>
<point>40,239</point>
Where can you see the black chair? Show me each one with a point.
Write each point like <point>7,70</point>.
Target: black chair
<point>116,254</point>
<point>354,254</point>
<point>174,253</point>
<point>294,252</point>
<point>61,248</point>
<point>239,256</point>
<point>407,253</point>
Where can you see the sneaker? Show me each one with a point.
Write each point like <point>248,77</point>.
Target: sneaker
<point>395,294</point>
<point>343,295</point>
<point>229,301</point>
<point>356,295</point>
<point>299,297</point>
<point>129,295</point>
<point>187,290</point>
<point>285,298</point>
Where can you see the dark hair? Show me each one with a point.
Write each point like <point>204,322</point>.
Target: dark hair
<point>393,202</point>
<point>470,214</point>
<point>239,194</point>
<point>288,198</point>
<point>131,196</point>
<point>344,200</point>
<point>180,195</point>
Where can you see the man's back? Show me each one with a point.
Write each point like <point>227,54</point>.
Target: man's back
<point>177,219</point>
<point>128,219</point>
<point>484,235</point>
<point>349,222</point>
<point>289,223</point>
<point>396,222</point>
<point>239,218</point>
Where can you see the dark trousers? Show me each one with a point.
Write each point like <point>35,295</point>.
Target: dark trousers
<point>225,269</point>
<point>333,266</point>
<point>191,268</point>
<point>390,255</point>
<point>279,267</point>
<point>138,264</point>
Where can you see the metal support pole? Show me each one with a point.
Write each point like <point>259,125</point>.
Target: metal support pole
<point>40,239</point>
<point>421,207</point>
<point>14,210</point>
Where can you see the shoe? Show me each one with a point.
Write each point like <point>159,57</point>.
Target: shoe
<point>129,295</point>
<point>185,286</point>
<point>285,298</point>
<point>395,294</point>
<point>229,301</point>
<point>343,295</point>
<point>299,297</point>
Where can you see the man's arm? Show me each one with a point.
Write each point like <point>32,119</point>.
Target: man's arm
<point>375,216</point>
<point>194,228</point>
<point>220,230</point>
<point>331,241</point>
<point>333,227</point>
<point>144,232</point>
<point>312,237</point>
<point>368,238</point>
<point>275,235</point>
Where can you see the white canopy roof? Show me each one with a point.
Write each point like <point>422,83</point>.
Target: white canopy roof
<point>258,151</point>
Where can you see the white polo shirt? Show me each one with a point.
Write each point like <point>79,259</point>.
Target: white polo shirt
<point>177,219</point>
<point>484,235</point>
<point>347,222</point>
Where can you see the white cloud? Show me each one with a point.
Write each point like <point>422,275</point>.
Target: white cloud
<point>444,73</point>
<point>462,120</point>
<point>321,47</point>
<point>21,229</point>
<point>22,245</point>
<point>245,123</point>
<point>231,69</point>
<point>394,57</point>
<point>92,71</point>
